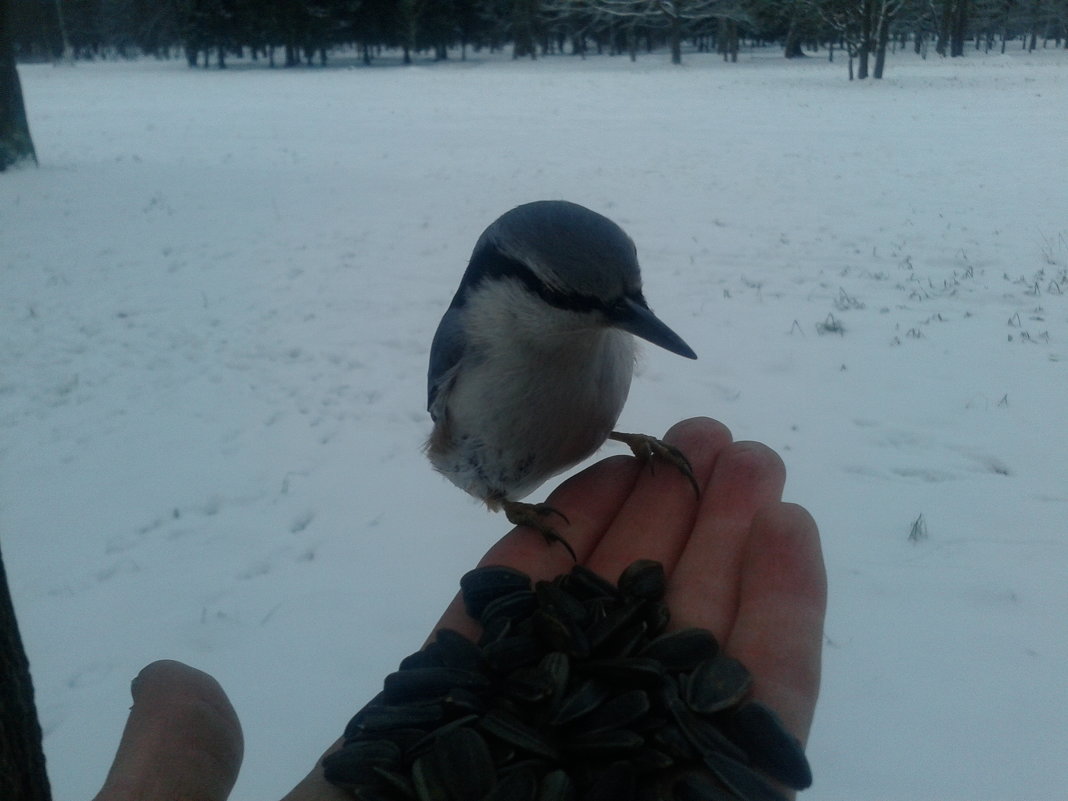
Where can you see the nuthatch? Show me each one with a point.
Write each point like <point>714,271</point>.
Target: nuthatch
<point>532,362</point>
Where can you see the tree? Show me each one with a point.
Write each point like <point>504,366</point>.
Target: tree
<point>864,27</point>
<point>953,27</point>
<point>678,18</point>
<point>525,17</point>
<point>22,764</point>
<point>886,10</point>
<point>16,146</point>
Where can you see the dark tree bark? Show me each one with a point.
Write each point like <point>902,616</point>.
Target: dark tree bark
<point>22,764</point>
<point>16,146</point>
<point>882,38</point>
<point>524,29</point>
<point>958,28</point>
<point>944,25</point>
<point>865,47</point>
<point>792,45</point>
<point>728,41</point>
<point>676,39</point>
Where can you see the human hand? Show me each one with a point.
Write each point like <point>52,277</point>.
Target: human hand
<point>739,562</point>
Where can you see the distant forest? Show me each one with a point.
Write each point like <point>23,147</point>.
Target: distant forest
<point>289,33</point>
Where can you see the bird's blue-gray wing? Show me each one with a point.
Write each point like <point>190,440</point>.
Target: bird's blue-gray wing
<point>445,353</point>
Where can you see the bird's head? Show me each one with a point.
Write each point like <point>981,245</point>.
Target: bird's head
<point>574,259</point>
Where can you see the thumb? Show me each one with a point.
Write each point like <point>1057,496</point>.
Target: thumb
<point>182,739</point>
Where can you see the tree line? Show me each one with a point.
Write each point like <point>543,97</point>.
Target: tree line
<point>289,33</point>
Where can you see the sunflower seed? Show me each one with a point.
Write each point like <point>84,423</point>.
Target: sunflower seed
<point>464,764</point>
<point>683,649</point>
<point>428,782</point>
<point>584,584</point>
<point>770,747</point>
<point>603,631</point>
<point>530,684</point>
<point>643,579</point>
<point>618,713</point>
<point>511,730</point>
<point>742,781</point>
<point>516,785</point>
<point>456,651</point>
<point>617,782</point>
<point>484,584</point>
<point>384,716</point>
<point>716,684</point>
<point>583,699</point>
<point>511,606</point>
<point>354,763</point>
<point>695,785</point>
<point>556,786</point>
<point>559,633</point>
<point>516,651</point>
<point>426,658</point>
<point>429,683</point>
<point>602,744</point>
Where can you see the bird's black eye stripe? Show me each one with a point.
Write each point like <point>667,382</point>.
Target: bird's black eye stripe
<point>491,264</point>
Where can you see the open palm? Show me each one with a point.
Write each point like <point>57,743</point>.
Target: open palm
<point>739,562</point>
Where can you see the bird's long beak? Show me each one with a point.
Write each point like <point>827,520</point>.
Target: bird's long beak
<point>636,318</point>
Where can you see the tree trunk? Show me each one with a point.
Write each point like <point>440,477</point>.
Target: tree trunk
<point>68,53</point>
<point>959,28</point>
<point>944,25</point>
<point>881,40</point>
<point>16,146</point>
<point>792,47</point>
<point>22,763</point>
<point>523,26</point>
<point>676,39</point>
<point>729,40</point>
<point>865,48</point>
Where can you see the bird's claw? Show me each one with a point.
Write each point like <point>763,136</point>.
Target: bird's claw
<point>533,515</point>
<point>646,447</point>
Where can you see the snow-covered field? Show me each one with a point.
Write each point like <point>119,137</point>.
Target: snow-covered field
<point>216,299</point>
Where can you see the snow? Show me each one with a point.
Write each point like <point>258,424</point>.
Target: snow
<point>217,294</point>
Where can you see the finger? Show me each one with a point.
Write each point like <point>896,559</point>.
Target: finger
<point>182,739</point>
<point>778,633</point>
<point>657,517</point>
<point>619,511</point>
<point>590,500</point>
<point>703,587</point>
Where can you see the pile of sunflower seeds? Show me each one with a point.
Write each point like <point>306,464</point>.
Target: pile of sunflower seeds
<point>574,692</point>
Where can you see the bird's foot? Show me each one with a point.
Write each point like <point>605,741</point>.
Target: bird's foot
<point>646,447</point>
<point>534,515</point>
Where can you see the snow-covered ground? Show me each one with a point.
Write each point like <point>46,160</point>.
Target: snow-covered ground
<point>216,299</point>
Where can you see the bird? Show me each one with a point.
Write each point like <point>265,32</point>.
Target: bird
<point>532,361</point>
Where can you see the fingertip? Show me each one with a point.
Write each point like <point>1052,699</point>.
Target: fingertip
<point>169,683</point>
<point>698,431</point>
<point>169,675</point>
<point>751,465</point>
<point>182,738</point>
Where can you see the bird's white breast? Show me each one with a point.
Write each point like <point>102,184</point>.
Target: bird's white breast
<point>538,389</point>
